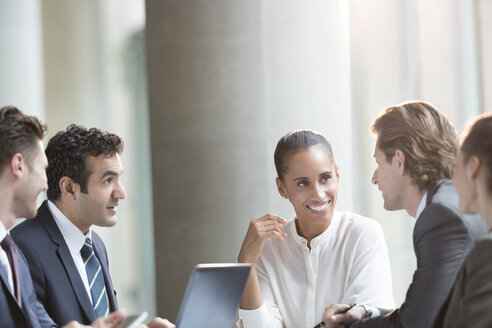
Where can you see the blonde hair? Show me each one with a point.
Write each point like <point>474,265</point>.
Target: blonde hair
<point>426,137</point>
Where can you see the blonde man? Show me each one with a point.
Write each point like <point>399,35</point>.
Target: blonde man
<point>415,155</point>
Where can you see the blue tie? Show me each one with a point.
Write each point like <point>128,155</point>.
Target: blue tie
<point>96,279</point>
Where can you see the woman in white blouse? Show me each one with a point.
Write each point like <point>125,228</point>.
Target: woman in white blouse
<point>321,257</point>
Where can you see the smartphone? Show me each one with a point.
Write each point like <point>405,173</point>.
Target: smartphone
<point>132,321</point>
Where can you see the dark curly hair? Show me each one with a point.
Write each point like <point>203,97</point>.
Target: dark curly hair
<point>19,133</point>
<point>67,154</point>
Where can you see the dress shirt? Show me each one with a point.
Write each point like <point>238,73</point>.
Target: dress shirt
<point>347,263</point>
<point>4,260</point>
<point>422,205</point>
<point>75,239</point>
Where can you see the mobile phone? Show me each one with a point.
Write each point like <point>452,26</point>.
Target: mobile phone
<point>132,321</point>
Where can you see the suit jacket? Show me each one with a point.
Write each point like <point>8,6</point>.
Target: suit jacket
<point>57,282</point>
<point>32,314</point>
<point>470,301</point>
<point>442,237</point>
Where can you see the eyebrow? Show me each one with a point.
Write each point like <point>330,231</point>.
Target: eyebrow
<point>109,173</point>
<point>306,178</point>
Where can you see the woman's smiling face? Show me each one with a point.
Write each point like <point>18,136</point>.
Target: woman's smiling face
<point>311,184</point>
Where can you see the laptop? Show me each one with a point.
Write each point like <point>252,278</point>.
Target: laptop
<point>213,295</point>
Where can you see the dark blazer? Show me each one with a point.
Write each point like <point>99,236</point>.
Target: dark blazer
<point>32,313</point>
<point>470,302</point>
<point>442,237</point>
<point>56,279</point>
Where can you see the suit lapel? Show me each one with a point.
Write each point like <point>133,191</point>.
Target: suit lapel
<point>66,258</point>
<point>432,190</point>
<point>5,282</point>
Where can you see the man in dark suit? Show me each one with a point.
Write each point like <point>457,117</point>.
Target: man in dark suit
<point>415,155</point>
<point>22,179</point>
<point>68,261</point>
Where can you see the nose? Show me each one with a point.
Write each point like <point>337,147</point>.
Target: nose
<point>119,192</point>
<point>319,191</point>
<point>45,182</point>
<point>374,179</point>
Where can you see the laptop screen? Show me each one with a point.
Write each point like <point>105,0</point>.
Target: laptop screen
<point>213,295</point>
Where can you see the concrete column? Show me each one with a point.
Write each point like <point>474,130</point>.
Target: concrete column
<point>226,80</point>
<point>21,63</point>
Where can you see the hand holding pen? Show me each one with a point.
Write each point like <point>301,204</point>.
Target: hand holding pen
<point>346,309</point>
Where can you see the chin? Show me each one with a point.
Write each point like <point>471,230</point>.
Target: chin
<point>111,221</point>
<point>32,213</point>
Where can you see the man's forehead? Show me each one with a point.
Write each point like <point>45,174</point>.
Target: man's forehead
<point>104,163</point>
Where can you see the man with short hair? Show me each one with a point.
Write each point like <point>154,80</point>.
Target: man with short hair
<point>415,155</point>
<point>22,179</point>
<point>68,261</point>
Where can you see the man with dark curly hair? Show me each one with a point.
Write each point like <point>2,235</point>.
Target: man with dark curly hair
<point>68,261</point>
<point>22,179</point>
<point>415,156</point>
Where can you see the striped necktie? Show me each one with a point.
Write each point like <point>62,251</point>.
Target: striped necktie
<point>96,280</point>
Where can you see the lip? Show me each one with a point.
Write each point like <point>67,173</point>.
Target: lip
<point>112,208</point>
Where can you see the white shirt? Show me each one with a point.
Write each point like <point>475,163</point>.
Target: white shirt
<point>348,263</point>
<point>422,205</point>
<point>4,260</point>
<point>75,239</point>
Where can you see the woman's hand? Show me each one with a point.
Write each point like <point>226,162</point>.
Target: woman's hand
<point>259,231</point>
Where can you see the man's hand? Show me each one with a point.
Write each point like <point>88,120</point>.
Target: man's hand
<point>334,320</point>
<point>158,322</point>
<point>113,320</point>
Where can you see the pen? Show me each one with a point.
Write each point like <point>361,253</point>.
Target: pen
<point>322,323</point>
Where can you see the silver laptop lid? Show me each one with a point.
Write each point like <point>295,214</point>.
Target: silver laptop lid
<point>213,295</point>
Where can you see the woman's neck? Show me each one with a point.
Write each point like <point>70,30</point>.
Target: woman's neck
<point>309,232</point>
<point>486,210</point>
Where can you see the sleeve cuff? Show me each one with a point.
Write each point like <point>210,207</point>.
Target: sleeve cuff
<point>255,318</point>
<point>371,311</point>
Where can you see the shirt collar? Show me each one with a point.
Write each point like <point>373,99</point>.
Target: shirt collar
<point>325,235</point>
<point>73,236</point>
<point>422,205</point>
<point>3,231</point>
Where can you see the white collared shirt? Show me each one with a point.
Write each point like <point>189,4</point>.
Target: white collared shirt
<point>4,260</point>
<point>422,204</point>
<point>347,263</point>
<point>75,239</point>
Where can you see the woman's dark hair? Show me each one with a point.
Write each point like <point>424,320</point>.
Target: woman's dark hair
<point>478,142</point>
<point>67,154</point>
<point>294,142</point>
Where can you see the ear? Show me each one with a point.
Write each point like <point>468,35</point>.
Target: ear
<point>68,187</point>
<point>399,157</point>
<point>281,188</point>
<point>473,167</point>
<point>17,165</point>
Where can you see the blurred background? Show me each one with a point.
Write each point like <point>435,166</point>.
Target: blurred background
<point>201,91</point>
